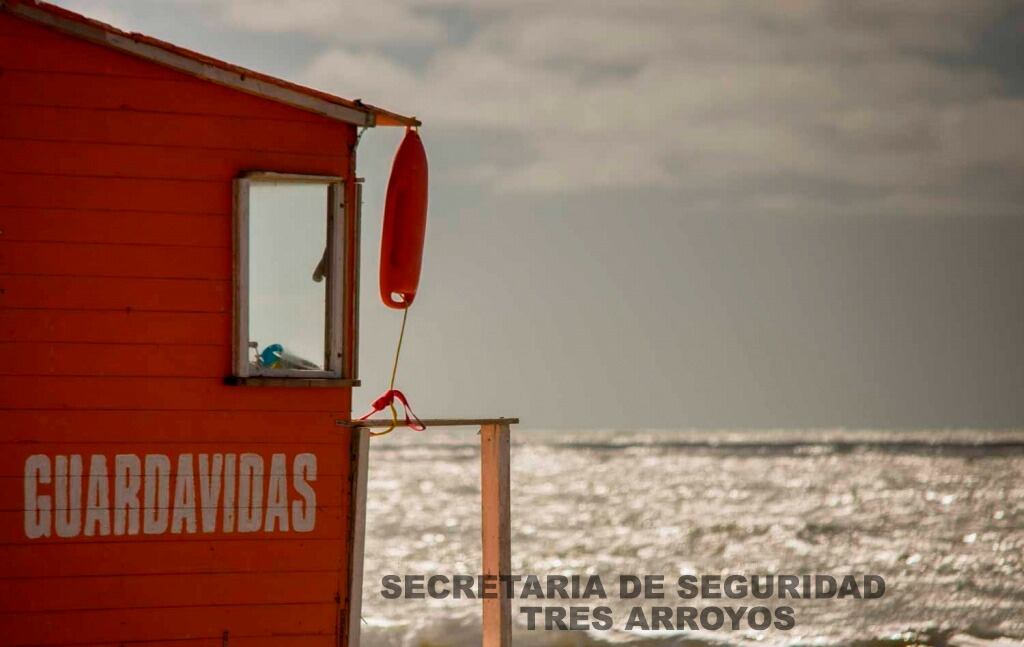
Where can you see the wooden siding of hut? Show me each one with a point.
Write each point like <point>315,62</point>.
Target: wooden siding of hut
<point>115,337</point>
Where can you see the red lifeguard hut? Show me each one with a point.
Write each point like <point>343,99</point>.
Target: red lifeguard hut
<point>179,462</point>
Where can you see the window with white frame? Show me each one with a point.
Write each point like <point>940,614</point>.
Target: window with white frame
<point>289,283</point>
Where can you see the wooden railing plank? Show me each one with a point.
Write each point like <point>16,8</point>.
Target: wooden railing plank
<point>496,530</point>
<point>434,422</point>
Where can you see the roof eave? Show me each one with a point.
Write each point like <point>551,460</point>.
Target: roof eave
<point>205,67</point>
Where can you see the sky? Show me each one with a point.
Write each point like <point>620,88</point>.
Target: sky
<point>711,213</point>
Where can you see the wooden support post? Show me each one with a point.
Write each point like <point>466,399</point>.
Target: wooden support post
<point>496,526</point>
<point>360,465</point>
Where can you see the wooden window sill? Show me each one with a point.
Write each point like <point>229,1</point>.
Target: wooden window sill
<point>291,382</point>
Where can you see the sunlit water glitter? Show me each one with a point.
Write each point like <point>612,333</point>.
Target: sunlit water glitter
<point>940,515</point>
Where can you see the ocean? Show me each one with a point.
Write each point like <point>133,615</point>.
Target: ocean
<point>938,514</point>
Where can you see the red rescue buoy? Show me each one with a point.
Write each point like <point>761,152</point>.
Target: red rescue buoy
<point>405,224</point>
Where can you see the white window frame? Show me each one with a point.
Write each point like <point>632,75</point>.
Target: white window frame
<point>334,310</point>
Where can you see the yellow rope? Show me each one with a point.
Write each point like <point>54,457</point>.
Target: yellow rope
<point>394,372</point>
<point>398,350</point>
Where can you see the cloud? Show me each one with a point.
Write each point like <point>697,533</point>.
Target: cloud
<point>799,104</point>
<point>380,22</point>
<point>792,99</point>
<point>354,24</point>
<point>108,11</point>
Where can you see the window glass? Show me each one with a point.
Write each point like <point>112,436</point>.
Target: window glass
<point>287,282</point>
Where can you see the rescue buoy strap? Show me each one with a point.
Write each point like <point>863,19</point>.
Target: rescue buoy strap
<point>387,400</point>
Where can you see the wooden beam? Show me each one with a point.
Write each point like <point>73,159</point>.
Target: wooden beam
<point>433,422</point>
<point>357,537</point>
<point>337,242</point>
<point>353,224</point>
<point>496,526</point>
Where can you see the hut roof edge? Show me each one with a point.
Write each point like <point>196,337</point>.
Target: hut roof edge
<point>205,67</point>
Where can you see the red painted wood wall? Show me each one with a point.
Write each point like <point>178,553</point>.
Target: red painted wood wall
<point>115,332</point>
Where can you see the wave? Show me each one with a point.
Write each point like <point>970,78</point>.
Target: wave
<point>464,631</point>
<point>758,443</point>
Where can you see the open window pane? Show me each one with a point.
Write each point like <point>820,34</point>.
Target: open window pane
<point>288,282</point>
<point>289,277</point>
